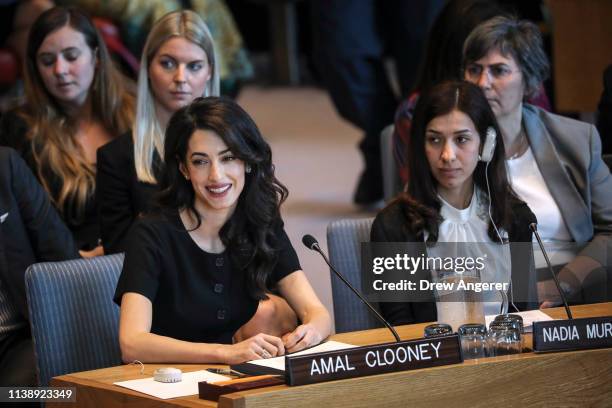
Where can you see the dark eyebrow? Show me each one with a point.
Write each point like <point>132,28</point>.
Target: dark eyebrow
<point>61,51</point>
<point>206,155</point>
<point>496,65</point>
<point>198,154</point>
<point>457,132</point>
<point>499,64</point>
<point>172,57</point>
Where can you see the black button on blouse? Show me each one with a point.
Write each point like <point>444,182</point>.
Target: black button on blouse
<point>197,296</point>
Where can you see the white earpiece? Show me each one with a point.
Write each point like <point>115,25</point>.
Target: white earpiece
<point>489,145</point>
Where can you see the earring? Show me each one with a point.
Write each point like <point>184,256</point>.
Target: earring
<point>247,169</point>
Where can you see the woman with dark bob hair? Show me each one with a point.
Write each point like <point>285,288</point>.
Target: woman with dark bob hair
<point>198,276</point>
<point>457,192</point>
<point>554,163</point>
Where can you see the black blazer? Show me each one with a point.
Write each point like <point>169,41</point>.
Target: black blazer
<point>30,229</point>
<point>121,197</point>
<point>391,225</point>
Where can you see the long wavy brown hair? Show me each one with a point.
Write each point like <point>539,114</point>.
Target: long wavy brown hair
<point>52,132</point>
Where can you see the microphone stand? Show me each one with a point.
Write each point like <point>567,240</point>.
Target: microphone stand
<point>315,247</point>
<point>534,228</point>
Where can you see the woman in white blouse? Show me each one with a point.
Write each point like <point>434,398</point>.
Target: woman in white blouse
<point>458,192</point>
<point>554,163</point>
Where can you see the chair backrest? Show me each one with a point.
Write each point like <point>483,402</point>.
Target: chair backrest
<point>344,238</point>
<point>74,322</point>
<point>392,184</point>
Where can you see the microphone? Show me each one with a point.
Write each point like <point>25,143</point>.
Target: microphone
<point>534,227</point>
<point>311,243</point>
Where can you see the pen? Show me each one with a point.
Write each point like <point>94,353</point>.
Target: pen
<point>226,371</point>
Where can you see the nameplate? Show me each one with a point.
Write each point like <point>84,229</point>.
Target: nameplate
<point>577,334</point>
<point>370,360</point>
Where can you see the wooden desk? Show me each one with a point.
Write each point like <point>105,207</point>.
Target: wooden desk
<point>578,378</point>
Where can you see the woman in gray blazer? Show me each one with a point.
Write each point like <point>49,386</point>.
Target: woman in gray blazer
<point>554,163</point>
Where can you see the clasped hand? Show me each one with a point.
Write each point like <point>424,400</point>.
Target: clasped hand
<point>266,346</point>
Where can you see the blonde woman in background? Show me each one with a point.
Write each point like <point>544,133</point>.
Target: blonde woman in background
<point>75,103</point>
<point>136,18</point>
<point>178,64</point>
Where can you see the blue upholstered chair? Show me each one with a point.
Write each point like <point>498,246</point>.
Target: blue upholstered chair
<point>74,322</point>
<point>344,238</point>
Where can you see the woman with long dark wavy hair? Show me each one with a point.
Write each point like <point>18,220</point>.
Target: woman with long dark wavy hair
<point>455,193</point>
<point>198,277</point>
<point>76,102</point>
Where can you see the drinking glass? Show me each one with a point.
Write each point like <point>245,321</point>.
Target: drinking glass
<point>510,318</point>
<point>504,340</point>
<point>438,329</point>
<point>458,306</point>
<point>473,340</point>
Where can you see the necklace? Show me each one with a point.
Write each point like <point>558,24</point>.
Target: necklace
<point>522,144</point>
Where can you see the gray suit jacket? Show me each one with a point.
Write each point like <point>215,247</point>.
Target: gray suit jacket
<point>568,153</point>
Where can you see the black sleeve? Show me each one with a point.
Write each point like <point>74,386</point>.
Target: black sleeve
<point>142,264</point>
<point>288,261</point>
<point>377,231</point>
<point>31,230</point>
<point>396,313</point>
<point>113,194</point>
<point>49,236</point>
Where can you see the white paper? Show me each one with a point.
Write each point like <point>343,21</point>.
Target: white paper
<point>279,362</point>
<point>529,317</point>
<point>188,385</point>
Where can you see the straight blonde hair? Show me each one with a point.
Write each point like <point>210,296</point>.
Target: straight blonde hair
<point>147,132</point>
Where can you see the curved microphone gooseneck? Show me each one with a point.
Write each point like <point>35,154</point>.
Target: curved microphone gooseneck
<point>534,228</point>
<point>311,243</point>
